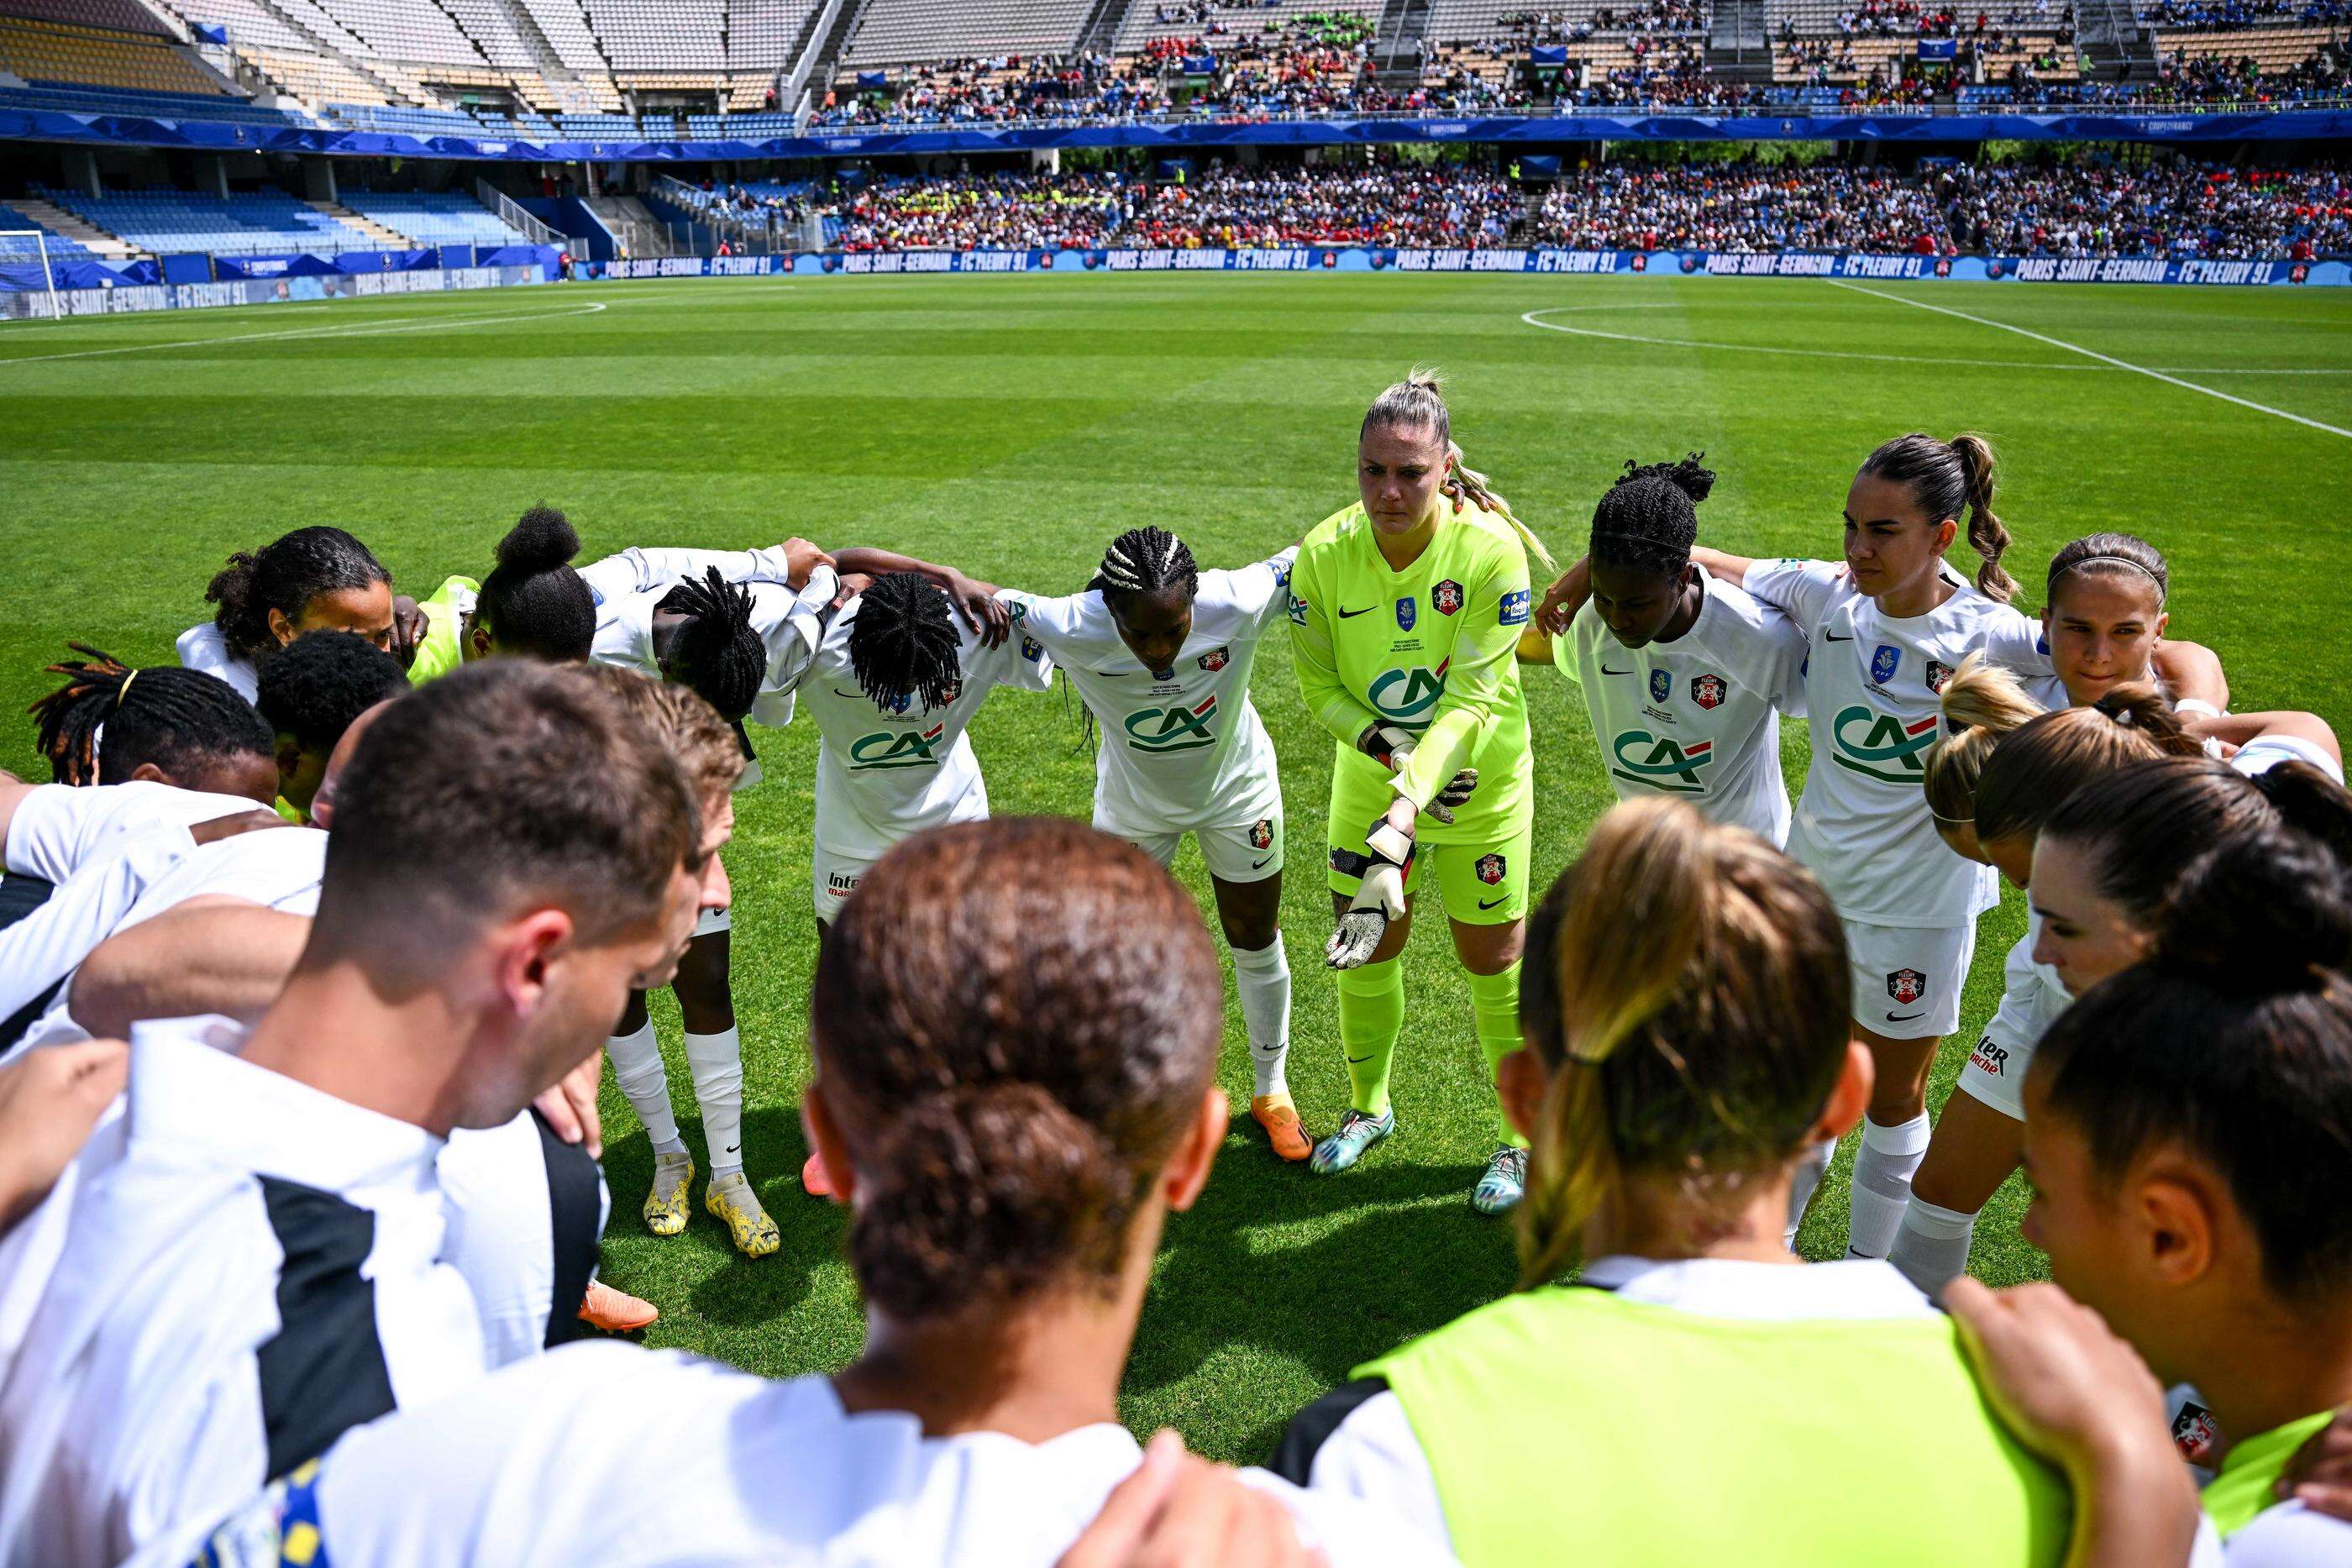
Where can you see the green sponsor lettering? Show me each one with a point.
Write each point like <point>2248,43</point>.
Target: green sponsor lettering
<point>1164,729</point>
<point>1405,697</point>
<point>894,749</point>
<point>1659,762</point>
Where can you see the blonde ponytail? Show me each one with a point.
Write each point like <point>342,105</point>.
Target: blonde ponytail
<point>1982,703</point>
<point>1418,403</point>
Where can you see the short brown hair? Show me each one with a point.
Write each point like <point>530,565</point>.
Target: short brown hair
<point>502,782</point>
<point>683,723</point>
<point>1014,1021</point>
<point>1694,1022</point>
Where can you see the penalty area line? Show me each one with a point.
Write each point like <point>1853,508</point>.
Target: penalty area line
<point>2095,354</point>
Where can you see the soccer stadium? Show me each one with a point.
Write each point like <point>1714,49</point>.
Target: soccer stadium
<point>637,1054</point>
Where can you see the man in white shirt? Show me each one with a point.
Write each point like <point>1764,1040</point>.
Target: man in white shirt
<point>261,1269</point>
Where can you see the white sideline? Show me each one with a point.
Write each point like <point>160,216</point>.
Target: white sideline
<point>366,328</point>
<point>2095,354</point>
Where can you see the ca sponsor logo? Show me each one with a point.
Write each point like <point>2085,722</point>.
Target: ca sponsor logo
<point>1406,697</point>
<point>896,748</point>
<point>1659,762</point>
<point>1176,728</point>
<point>1880,746</point>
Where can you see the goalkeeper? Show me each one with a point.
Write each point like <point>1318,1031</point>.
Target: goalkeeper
<point>1405,611</point>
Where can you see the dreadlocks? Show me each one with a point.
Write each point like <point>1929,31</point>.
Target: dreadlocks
<point>1646,521</point>
<point>174,718</point>
<point>1145,561</point>
<point>903,644</point>
<point>718,652</point>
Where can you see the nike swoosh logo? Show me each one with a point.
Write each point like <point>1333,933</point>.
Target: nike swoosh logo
<point>859,696</point>
<point>1359,1059</point>
<point>1490,903</point>
<point>1835,638</point>
<point>1259,865</point>
<point>1607,671</point>
<point>1351,614</point>
<point>1902,1018</point>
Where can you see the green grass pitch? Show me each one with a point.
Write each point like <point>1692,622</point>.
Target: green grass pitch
<point>1013,425</point>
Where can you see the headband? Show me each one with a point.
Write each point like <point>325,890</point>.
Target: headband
<point>2116,560</point>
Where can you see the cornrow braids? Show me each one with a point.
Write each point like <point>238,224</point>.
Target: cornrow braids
<point>718,651</point>
<point>108,718</point>
<point>1648,521</point>
<point>1145,561</point>
<point>903,644</point>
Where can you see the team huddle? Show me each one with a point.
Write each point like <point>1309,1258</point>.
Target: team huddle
<point>373,886</point>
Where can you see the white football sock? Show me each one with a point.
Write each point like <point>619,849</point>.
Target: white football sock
<point>638,1068</point>
<point>1882,1183</point>
<point>717,1061</point>
<point>1814,1164</point>
<point>1932,1249</point>
<point>1262,977</point>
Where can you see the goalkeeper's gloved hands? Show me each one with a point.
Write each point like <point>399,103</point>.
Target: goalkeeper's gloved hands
<point>1392,747</point>
<point>1380,897</point>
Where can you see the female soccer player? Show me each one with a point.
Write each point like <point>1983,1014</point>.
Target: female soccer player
<point>2102,625</point>
<point>2029,772</point>
<point>2189,1138</point>
<point>738,629</point>
<point>310,578</point>
<point>1014,1027</point>
<point>894,683</point>
<point>1684,677</point>
<point>1161,652</point>
<point>1886,627</point>
<point>1405,610</point>
<point>1687,1044</point>
<point>533,606</point>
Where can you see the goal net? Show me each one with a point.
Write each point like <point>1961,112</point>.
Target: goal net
<point>14,253</point>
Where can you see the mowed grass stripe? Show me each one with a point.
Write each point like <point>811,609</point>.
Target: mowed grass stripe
<point>1016,424</point>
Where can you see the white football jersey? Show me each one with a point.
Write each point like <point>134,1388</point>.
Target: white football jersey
<point>58,829</point>
<point>642,569</point>
<point>788,624</point>
<point>1190,751</point>
<point>558,1461</point>
<point>1697,718</point>
<point>883,775</point>
<point>204,648</point>
<point>1872,687</point>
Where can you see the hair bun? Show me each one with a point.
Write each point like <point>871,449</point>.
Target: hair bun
<point>1690,477</point>
<point>540,540</point>
<point>2265,911</point>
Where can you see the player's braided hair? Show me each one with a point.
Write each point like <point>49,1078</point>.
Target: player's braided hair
<point>533,602</point>
<point>165,716</point>
<point>718,649</point>
<point>1145,561</point>
<point>1944,480</point>
<point>1647,521</point>
<point>903,644</point>
<point>285,575</point>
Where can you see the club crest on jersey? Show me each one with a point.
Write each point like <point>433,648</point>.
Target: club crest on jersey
<point>1281,574</point>
<point>1260,834</point>
<point>1407,613</point>
<point>1446,597</point>
<point>1662,685</point>
<point>1708,690</point>
<point>1939,676</point>
<point>1514,609</point>
<point>1883,663</point>
<point>2194,1433</point>
<point>1490,870</point>
<point>1906,985</point>
<point>1216,659</point>
<point>1031,650</point>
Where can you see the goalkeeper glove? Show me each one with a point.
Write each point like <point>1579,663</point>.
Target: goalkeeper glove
<point>1380,897</point>
<point>1392,747</point>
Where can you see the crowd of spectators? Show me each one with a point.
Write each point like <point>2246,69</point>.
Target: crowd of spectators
<point>2217,16</point>
<point>2085,207</point>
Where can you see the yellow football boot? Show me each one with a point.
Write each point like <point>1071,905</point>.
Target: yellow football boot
<point>665,1207</point>
<point>731,1199</point>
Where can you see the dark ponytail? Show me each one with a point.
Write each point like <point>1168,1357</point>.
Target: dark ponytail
<point>1951,479</point>
<point>2234,1041</point>
<point>1648,519</point>
<point>534,604</point>
<point>286,575</point>
<point>108,719</point>
<point>1009,1081</point>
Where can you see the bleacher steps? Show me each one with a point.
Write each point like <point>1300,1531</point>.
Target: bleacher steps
<point>1397,41</point>
<point>631,225</point>
<point>80,230</point>
<point>389,83</point>
<point>390,238</point>
<point>1101,28</point>
<point>829,53</point>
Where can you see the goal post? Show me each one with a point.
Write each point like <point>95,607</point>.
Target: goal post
<point>40,238</point>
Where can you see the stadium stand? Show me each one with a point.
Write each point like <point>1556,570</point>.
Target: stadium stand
<point>898,32</point>
<point>248,223</point>
<point>440,217</point>
<point>24,247</point>
<point>96,57</point>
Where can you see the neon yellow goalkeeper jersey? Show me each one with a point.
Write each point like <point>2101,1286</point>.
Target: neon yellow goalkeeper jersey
<point>1428,649</point>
